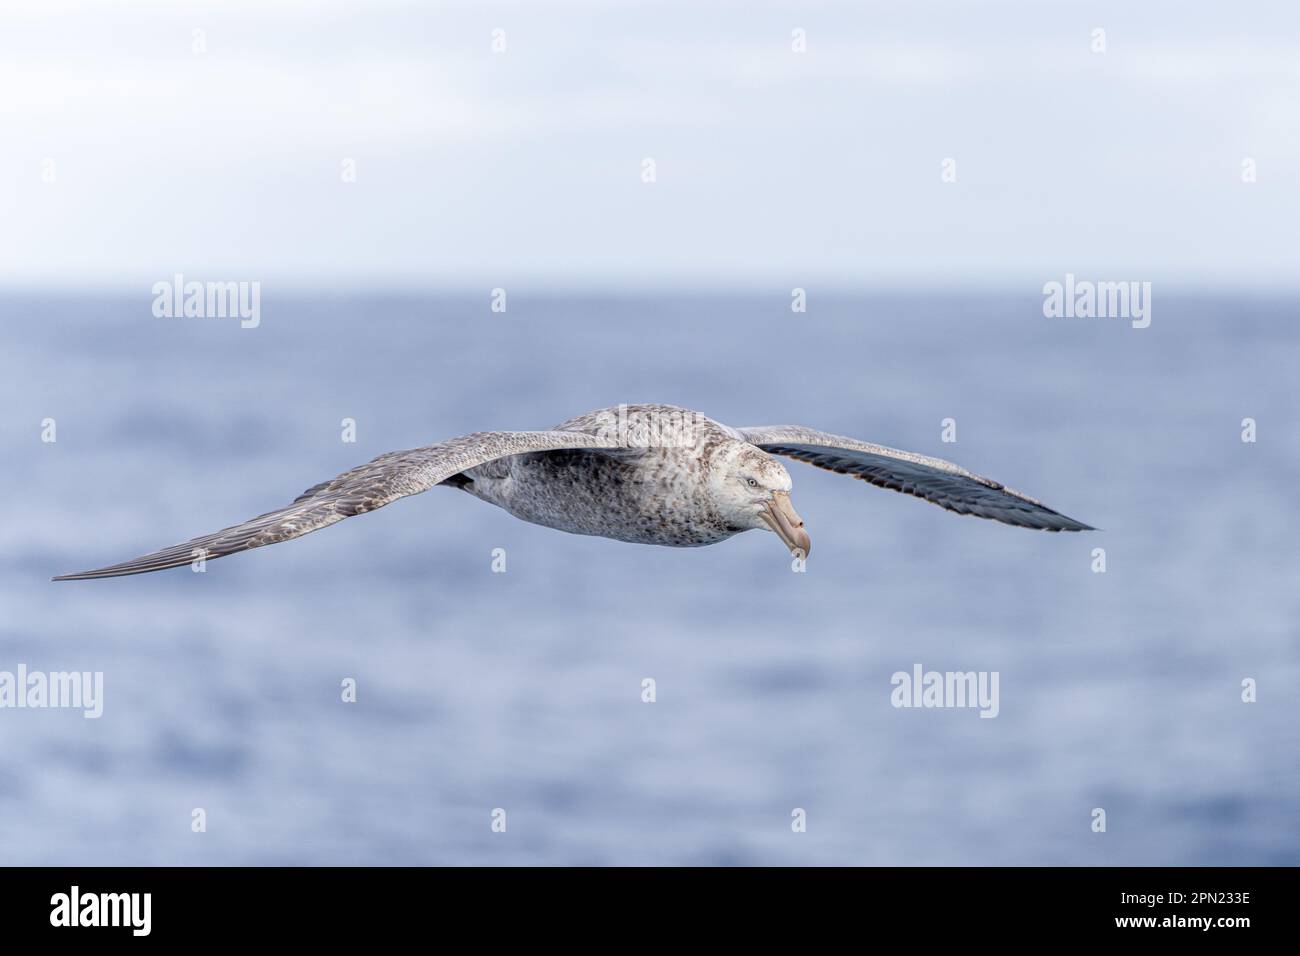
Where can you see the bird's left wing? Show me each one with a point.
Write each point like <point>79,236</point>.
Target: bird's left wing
<point>940,482</point>
<point>364,488</point>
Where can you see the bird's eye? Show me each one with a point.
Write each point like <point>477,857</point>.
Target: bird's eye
<point>752,483</point>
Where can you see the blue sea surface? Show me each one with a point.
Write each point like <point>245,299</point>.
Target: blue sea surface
<point>523,690</point>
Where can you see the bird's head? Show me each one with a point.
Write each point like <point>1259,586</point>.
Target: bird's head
<point>751,490</point>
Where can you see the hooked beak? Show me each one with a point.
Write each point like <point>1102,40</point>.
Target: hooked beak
<point>780,516</point>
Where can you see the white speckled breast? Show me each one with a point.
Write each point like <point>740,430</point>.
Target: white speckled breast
<point>647,494</point>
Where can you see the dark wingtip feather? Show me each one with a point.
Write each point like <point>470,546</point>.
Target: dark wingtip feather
<point>93,575</point>
<point>138,566</point>
<point>1075,525</point>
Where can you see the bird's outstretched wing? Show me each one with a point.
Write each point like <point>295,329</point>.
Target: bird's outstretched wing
<point>361,489</point>
<point>941,482</point>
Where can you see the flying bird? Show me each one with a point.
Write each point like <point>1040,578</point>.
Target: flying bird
<point>650,474</point>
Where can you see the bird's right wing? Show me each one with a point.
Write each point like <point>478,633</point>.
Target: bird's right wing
<point>364,488</point>
<point>940,482</point>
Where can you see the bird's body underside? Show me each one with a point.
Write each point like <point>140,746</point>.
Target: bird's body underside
<point>602,495</point>
<point>650,474</point>
<point>647,492</point>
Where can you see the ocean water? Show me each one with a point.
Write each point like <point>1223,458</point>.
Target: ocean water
<point>522,690</point>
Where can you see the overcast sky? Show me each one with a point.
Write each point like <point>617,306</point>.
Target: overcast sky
<point>475,167</point>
